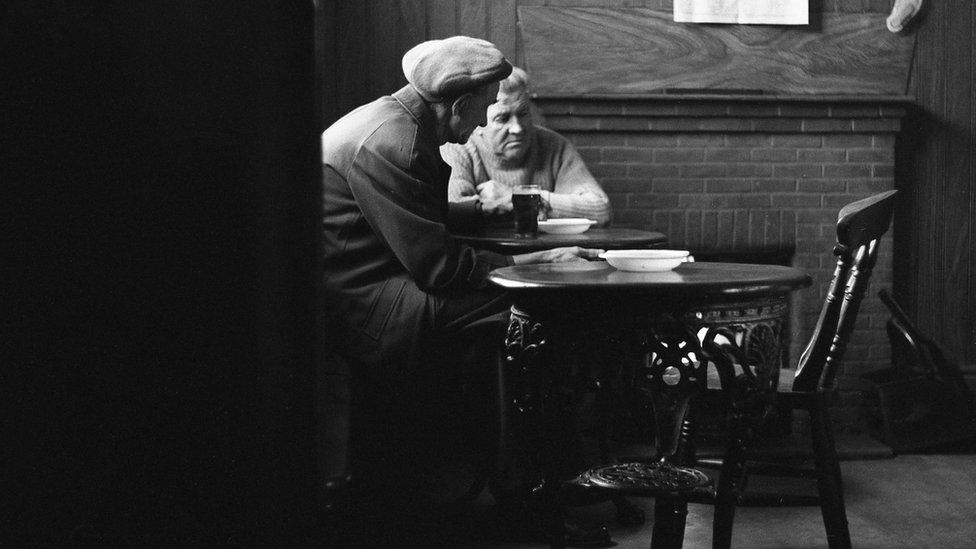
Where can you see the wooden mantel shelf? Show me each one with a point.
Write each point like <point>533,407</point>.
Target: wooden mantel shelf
<point>685,97</point>
<point>680,112</point>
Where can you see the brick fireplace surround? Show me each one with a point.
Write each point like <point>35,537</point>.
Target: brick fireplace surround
<point>746,175</point>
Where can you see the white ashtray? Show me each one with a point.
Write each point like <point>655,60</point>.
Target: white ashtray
<point>645,260</point>
<point>566,225</point>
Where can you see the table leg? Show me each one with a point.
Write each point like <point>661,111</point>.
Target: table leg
<point>526,348</point>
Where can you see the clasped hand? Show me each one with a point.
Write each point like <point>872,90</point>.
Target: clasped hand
<point>495,198</point>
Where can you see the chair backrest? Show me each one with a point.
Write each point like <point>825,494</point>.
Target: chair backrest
<point>860,226</point>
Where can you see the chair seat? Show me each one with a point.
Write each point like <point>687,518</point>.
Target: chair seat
<point>644,479</point>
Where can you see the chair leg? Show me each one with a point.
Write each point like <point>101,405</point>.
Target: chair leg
<point>829,483</point>
<point>670,514</point>
<point>730,484</point>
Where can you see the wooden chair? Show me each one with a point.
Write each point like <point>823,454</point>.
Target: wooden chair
<point>860,226</point>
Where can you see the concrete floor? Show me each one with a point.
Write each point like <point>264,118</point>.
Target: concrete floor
<point>910,501</point>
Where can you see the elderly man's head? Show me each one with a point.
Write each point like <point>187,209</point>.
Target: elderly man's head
<point>459,76</point>
<point>510,127</point>
<point>468,112</point>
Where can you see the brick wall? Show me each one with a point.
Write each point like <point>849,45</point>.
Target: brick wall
<point>748,174</point>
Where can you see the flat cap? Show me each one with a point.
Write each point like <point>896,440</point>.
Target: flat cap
<point>441,69</point>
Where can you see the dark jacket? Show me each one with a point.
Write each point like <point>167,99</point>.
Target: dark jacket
<point>390,261</point>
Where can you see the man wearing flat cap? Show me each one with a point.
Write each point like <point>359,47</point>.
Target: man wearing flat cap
<point>398,285</point>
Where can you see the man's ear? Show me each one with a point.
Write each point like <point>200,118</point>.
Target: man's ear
<point>460,104</point>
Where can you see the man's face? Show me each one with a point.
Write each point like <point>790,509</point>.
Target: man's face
<point>510,127</point>
<point>473,114</point>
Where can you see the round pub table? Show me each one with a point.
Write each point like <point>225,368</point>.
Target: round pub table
<point>670,327</point>
<point>503,240</point>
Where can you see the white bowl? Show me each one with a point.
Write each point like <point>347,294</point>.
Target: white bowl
<point>645,260</point>
<point>566,225</point>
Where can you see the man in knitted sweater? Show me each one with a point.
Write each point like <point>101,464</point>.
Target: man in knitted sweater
<point>512,150</point>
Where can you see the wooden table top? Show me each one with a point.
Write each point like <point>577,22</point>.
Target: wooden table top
<point>698,279</point>
<point>504,240</point>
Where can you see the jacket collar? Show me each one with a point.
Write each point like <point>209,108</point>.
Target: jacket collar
<point>420,110</point>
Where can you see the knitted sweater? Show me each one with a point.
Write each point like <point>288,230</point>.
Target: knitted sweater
<point>552,163</point>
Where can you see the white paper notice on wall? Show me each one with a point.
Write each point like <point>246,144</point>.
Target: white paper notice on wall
<point>756,12</point>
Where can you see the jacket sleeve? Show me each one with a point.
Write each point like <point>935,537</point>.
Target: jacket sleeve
<point>407,210</point>
<point>465,216</point>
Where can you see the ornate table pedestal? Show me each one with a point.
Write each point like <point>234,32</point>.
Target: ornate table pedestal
<point>671,331</point>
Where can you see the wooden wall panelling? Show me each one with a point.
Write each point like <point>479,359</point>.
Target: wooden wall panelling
<point>441,18</point>
<point>851,6</point>
<point>411,30</point>
<point>368,40</point>
<point>928,238</point>
<point>587,51</point>
<point>503,28</point>
<point>937,278</point>
<point>472,18</point>
<point>653,4</point>
<point>907,223</point>
<point>937,291</point>
<point>413,23</point>
<point>931,238</point>
<point>971,336</point>
<point>910,171</point>
<point>352,30</point>
<point>383,70</point>
<point>959,222</point>
<point>326,66</point>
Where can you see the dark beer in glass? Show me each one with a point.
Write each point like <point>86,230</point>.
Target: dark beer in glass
<point>526,201</point>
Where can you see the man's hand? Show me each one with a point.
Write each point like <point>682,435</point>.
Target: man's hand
<point>558,255</point>
<point>495,198</point>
